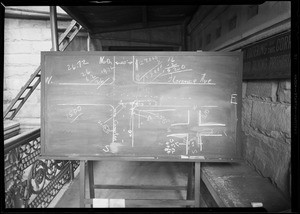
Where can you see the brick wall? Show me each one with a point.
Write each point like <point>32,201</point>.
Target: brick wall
<point>266,125</point>
<point>23,42</point>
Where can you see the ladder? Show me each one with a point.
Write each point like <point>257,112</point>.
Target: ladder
<point>64,40</point>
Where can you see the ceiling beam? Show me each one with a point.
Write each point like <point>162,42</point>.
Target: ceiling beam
<point>145,16</point>
<point>101,37</point>
<point>74,13</point>
<point>136,26</point>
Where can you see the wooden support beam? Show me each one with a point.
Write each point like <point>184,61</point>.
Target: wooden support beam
<point>153,202</point>
<point>145,16</point>
<point>98,36</point>
<point>135,26</point>
<point>82,183</point>
<point>152,187</point>
<point>197,184</point>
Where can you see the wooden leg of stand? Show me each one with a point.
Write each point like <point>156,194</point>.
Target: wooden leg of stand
<point>82,183</point>
<point>197,183</point>
<point>190,185</point>
<point>91,179</point>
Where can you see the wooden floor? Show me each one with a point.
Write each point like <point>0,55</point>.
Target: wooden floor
<point>131,173</point>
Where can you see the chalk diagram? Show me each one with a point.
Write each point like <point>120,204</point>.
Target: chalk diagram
<point>129,119</point>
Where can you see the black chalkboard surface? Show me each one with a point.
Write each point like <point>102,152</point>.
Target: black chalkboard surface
<point>178,106</point>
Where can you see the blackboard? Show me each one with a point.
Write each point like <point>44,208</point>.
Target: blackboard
<point>178,106</point>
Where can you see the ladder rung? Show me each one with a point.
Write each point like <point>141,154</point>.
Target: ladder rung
<point>13,109</point>
<point>21,98</point>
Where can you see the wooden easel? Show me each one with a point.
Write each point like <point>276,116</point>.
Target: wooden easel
<point>192,188</point>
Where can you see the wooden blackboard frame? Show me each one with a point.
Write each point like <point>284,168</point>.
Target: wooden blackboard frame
<point>238,156</point>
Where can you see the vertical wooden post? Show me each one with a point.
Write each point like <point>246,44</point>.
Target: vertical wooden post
<point>91,178</point>
<point>190,185</point>
<point>71,171</point>
<point>197,183</point>
<point>82,183</point>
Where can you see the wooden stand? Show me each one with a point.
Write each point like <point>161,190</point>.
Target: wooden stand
<point>192,188</point>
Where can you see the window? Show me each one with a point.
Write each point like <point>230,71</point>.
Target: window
<point>252,11</point>
<point>208,38</point>
<point>232,23</point>
<point>218,32</point>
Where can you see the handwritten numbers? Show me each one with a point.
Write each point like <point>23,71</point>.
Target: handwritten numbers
<point>171,146</point>
<point>74,113</point>
<point>77,65</point>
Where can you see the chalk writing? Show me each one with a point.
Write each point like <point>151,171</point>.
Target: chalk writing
<point>89,77</point>
<point>74,113</point>
<point>48,80</point>
<point>165,70</point>
<point>233,99</point>
<point>77,65</point>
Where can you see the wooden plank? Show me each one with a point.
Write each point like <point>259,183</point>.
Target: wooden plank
<point>197,184</point>
<point>153,203</point>
<point>134,158</point>
<point>91,178</point>
<point>190,183</point>
<point>10,124</point>
<point>152,187</point>
<point>237,185</point>
<point>82,183</point>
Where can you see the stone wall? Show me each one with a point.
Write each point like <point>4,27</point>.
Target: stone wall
<point>266,112</point>
<point>266,125</point>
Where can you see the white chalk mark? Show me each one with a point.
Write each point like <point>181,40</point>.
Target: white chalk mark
<point>187,145</point>
<point>136,64</point>
<point>119,110</point>
<point>170,83</point>
<point>200,142</point>
<point>167,106</point>
<point>208,106</point>
<point>140,115</point>
<point>76,117</point>
<point>199,117</point>
<point>48,79</point>
<point>66,83</point>
<point>170,73</point>
<point>108,120</point>
<point>206,131</point>
<point>86,104</point>
<point>211,135</point>
<point>102,83</point>
<point>159,63</point>
<point>106,148</point>
<point>158,110</point>
<point>225,133</point>
<point>139,120</point>
<point>160,74</point>
<point>132,126</point>
<point>212,124</point>
<point>179,135</point>
<point>233,99</point>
